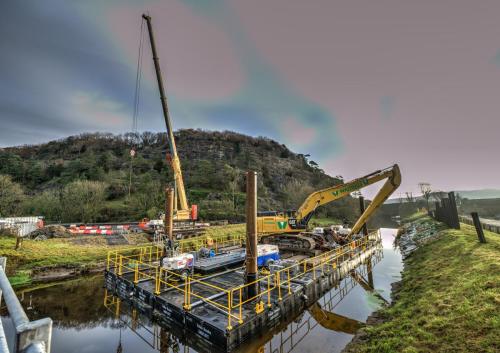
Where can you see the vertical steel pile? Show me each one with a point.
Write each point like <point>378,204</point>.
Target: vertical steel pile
<point>362,210</point>
<point>251,271</point>
<point>169,213</point>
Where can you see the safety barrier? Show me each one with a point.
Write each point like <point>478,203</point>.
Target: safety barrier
<point>144,264</point>
<point>152,253</point>
<point>31,336</point>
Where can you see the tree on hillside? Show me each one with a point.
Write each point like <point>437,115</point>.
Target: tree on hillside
<point>47,204</point>
<point>11,164</point>
<point>82,200</point>
<point>233,179</point>
<point>294,193</point>
<point>425,189</point>
<point>149,199</point>
<point>11,196</point>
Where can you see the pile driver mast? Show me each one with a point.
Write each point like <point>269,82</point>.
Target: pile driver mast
<point>182,211</point>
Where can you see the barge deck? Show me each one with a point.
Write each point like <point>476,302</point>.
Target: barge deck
<point>216,308</point>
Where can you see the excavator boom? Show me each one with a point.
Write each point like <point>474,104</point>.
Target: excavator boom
<point>281,223</point>
<point>392,183</point>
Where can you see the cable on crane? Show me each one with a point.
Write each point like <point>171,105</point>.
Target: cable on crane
<point>137,96</point>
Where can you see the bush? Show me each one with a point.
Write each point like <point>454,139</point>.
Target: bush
<point>11,196</point>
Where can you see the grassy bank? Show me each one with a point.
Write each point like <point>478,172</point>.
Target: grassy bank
<point>36,258</point>
<point>448,300</point>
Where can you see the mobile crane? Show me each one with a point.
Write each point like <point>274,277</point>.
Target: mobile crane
<point>286,229</point>
<point>182,211</point>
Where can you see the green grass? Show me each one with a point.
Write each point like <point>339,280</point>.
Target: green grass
<point>230,229</point>
<point>50,254</point>
<point>413,217</point>
<point>21,278</point>
<point>38,256</point>
<point>449,300</point>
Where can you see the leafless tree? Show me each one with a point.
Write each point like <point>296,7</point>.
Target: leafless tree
<point>425,189</point>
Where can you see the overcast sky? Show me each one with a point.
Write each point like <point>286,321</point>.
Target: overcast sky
<point>358,85</point>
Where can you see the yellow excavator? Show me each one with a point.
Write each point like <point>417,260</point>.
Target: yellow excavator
<point>182,211</point>
<point>284,229</point>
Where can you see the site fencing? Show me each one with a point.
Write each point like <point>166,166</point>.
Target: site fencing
<point>446,211</point>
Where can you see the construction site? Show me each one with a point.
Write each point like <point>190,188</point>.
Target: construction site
<point>221,242</point>
<point>196,286</point>
<point>223,290</point>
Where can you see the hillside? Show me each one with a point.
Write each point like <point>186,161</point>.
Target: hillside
<point>482,194</point>
<point>213,165</point>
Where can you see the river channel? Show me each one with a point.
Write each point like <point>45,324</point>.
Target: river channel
<point>84,324</point>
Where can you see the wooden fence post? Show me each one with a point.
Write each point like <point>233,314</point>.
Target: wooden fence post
<point>479,227</point>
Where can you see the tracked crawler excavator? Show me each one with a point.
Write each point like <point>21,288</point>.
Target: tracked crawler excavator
<point>288,229</point>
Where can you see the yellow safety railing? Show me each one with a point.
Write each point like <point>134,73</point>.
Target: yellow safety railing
<point>152,253</point>
<point>143,263</point>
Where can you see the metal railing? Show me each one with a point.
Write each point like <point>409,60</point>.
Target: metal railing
<point>31,336</point>
<point>144,265</point>
<point>153,253</point>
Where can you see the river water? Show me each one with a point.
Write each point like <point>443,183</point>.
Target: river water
<point>83,323</point>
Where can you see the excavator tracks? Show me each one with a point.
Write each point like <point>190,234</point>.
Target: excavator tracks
<point>291,242</point>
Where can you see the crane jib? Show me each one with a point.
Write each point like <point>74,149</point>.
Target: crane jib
<point>352,187</point>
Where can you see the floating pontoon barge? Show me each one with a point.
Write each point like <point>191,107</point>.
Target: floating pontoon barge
<point>216,308</point>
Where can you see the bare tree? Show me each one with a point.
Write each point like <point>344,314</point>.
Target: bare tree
<point>425,189</point>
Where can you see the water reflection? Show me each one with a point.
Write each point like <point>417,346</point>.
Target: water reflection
<point>86,319</point>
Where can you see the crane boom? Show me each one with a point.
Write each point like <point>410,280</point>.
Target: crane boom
<point>181,208</point>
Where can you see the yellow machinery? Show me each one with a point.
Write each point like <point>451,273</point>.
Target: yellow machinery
<point>281,228</point>
<point>333,321</point>
<point>182,211</point>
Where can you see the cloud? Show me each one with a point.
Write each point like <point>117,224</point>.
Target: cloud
<point>47,65</point>
<point>496,58</point>
<point>387,106</point>
<point>266,104</point>
<point>99,109</point>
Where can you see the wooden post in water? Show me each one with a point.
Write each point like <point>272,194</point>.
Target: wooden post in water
<point>479,227</point>
<point>251,271</point>
<point>362,210</point>
<point>169,213</point>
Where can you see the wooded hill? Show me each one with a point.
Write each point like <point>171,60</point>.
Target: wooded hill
<point>87,177</point>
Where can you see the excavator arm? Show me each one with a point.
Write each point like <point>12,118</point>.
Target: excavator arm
<point>321,197</point>
<point>275,223</point>
<point>394,180</point>
<point>333,321</point>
